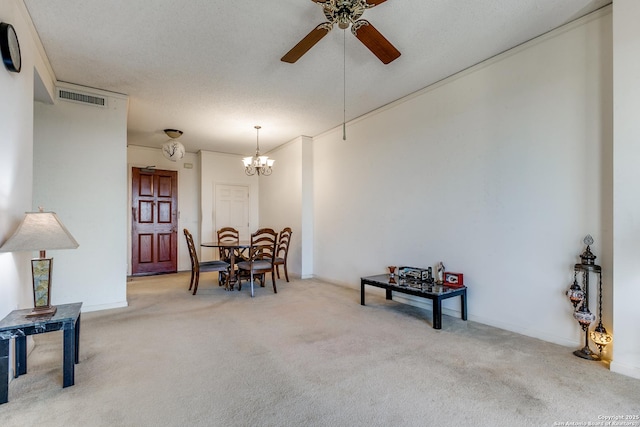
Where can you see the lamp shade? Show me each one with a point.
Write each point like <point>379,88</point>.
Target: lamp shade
<point>173,150</point>
<point>40,231</point>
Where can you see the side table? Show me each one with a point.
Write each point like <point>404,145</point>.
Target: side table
<point>17,325</point>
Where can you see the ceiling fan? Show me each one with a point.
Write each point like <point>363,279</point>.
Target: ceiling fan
<point>346,13</point>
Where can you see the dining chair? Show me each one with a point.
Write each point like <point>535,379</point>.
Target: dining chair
<point>229,234</point>
<point>282,252</point>
<point>261,257</point>
<point>197,266</point>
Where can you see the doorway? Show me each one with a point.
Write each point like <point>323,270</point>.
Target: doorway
<point>154,221</point>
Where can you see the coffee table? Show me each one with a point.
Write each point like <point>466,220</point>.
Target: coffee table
<point>435,293</point>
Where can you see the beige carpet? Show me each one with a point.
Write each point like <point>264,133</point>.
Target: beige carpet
<point>307,356</point>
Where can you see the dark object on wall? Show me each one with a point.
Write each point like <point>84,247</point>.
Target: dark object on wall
<point>10,48</point>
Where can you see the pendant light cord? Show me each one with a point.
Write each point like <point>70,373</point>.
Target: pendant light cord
<point>344,85</point>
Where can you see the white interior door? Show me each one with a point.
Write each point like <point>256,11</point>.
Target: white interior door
<point>232,208</point>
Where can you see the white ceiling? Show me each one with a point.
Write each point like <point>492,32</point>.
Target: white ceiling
<point>212,68</point>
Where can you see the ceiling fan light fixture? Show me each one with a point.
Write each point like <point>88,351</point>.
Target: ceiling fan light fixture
<point>344,21</point>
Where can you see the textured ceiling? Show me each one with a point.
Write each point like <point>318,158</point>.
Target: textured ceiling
<point>212,68</point>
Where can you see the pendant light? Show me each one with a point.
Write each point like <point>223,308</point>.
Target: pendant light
<point>173,149</point>
<point>258,164</point>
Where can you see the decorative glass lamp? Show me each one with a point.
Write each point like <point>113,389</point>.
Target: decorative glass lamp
<point>575,293</point>
<point>599,335</point>
<point>40,231</point>
<point>173,149</point>
<point>583,315</point>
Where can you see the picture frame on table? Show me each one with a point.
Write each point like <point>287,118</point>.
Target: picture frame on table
<point>453,280</point>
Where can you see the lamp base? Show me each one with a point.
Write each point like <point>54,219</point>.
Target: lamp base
<point>43,311</point>
<point>41,271</point>
<point>586,353</point>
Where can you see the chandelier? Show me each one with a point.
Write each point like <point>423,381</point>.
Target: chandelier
<point>258,164</point>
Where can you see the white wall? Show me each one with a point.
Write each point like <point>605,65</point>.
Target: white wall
<point>497,172</point>
<point>188,194</point>
<point>307,239</point>
<point>16,162</point>
<point>281,199</point>
<point>80,172</point>
<point>219,168</point>
<point>626,205</point>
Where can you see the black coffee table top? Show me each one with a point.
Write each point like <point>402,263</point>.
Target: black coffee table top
<point>413,284</point>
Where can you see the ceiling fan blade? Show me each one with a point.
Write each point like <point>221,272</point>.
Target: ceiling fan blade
<point>373,2</point>
<point>307,43</point>
<point>375,41</point>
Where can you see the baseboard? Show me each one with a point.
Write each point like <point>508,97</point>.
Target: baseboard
<point>621,368</point>
<point>533,333</point>
<point>424,303</point>
<point>99,307</point>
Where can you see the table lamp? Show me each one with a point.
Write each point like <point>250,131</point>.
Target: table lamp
<point>40,231</point>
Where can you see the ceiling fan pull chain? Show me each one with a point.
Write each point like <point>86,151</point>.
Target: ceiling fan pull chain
<point>344,85</point>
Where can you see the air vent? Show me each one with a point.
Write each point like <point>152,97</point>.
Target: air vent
<point>82,98</point>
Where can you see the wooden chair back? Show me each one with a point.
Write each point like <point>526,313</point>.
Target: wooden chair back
<point>283,243</point>
<point>227,234</point>
<point>192,249</point>
<point>263,244</point>
<point>261,256</point>
<point>197,266</point>
<point>282,251</point>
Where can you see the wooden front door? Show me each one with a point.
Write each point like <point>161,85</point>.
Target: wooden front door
<point>154,221</point>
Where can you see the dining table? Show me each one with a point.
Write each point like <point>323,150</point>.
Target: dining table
<point>234,248</point>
